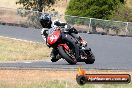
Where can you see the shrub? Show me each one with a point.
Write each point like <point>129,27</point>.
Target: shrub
<point>102,9</point>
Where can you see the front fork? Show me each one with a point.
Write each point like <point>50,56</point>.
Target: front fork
<point>71,40</point>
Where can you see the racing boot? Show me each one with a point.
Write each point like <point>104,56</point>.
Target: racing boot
<point>54,56</point>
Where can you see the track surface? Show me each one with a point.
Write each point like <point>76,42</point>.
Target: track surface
<point>111,52</point>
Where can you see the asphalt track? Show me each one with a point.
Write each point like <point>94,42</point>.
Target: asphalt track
<point>111,52</point>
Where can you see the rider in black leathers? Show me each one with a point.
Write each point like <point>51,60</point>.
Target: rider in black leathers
<point>48,25</point>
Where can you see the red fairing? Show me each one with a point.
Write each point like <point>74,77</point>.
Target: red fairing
<point>53,37</point>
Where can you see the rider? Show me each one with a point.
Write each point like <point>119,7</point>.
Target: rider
<point>48,27</point>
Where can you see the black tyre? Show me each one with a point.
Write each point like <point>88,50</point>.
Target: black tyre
<point>68,58</point>
<point>81,80</point>
<point>90,59</point>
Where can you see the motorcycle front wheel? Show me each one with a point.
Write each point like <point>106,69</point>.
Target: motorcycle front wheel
<point>68,56</point>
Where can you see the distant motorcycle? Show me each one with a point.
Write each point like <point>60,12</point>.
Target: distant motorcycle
<point>68,47</point>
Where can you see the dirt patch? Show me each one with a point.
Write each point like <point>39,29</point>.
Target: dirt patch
<point>9,4</point>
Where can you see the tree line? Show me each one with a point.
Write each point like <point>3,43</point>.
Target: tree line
<point>101,9</point>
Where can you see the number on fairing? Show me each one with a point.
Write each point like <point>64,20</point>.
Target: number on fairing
<point>53,37</point>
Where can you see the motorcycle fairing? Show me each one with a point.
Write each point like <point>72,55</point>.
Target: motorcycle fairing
<point>52,38</point>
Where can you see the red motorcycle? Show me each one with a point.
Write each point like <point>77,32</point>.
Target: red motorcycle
<point>68,47</point>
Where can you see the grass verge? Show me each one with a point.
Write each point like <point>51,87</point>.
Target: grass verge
<point>12,50</point>
<point>51,79</point>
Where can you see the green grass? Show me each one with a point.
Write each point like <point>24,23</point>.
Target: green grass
<point>117,86</point>
<point>57,84</point>
<point>12,50</point>
<point>48,79</point>
<point>43,84</point>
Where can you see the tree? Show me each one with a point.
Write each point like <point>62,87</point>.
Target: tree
<point>101,9</point>
<point>37,5</point>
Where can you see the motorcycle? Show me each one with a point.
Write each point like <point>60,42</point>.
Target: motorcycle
<point>68,47</point>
